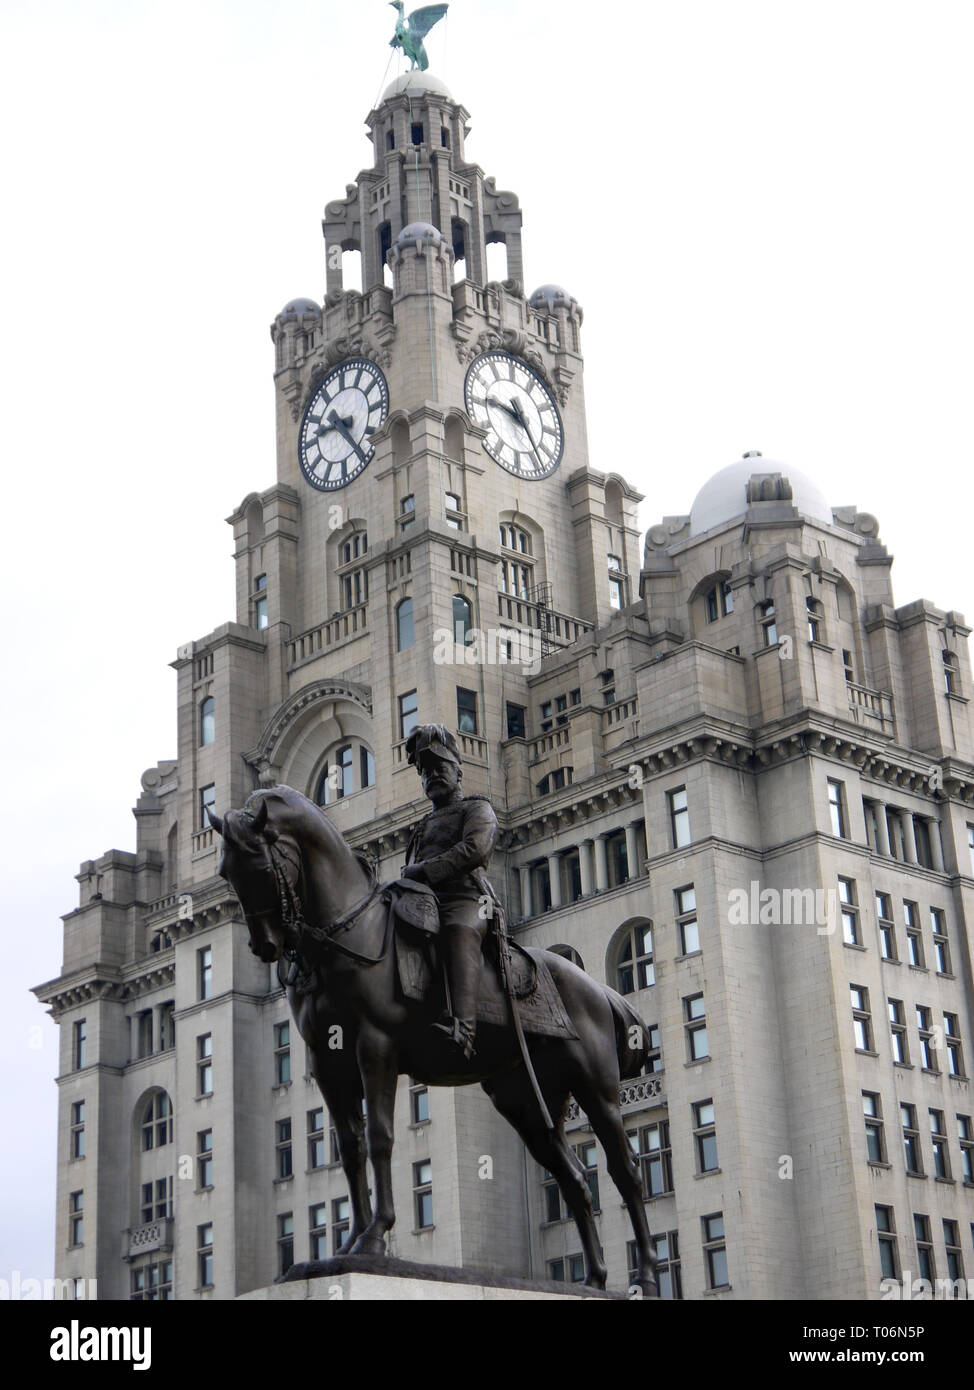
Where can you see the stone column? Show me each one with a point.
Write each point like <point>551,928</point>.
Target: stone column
<point>882,831</point>
<point>585,866</point>
<point>554,879</point>
<point>936,845</point>
<point>635,850</point>
<point>524,871</point>
<point>909,836</point>
<point>601,866</point>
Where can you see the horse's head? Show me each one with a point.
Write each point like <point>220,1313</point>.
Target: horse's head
<point>253,860</point>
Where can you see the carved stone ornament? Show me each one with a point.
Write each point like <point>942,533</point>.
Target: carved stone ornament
<point>512,340</point>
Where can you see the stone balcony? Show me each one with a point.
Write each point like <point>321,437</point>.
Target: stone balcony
<point>145,1240</point>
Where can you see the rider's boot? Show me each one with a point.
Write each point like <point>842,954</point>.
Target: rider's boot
<point>462,960</point>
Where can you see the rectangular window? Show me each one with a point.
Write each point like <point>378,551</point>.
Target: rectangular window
<point>204,972</point>
<point>849,911</point>
<point>283,1148</point>
<point>667,1263</point>
<point>204,1255</point>
<point>204,1158</point>
<point>318,1231</point>
<point>282,1054</point>
<point>889,1259</point>
<point>204,1065</point>
<point>928,1049</point>
<point>569,1270</point>
<point>970,845</point>
<point>848,669</point>
<point>941,946</point>
<point>80,1044</point>
<point>340,1223</point>
<point>686,921</point>
<point>705,1136</point>
<point>921,834</point>
<point>143,1033</point>
<point>914,936</point>
<point>77,1142</point>
<point>76,1218</point>
<point>515,721</point>
<point>408,714</point>
<point>861,1018</point>
<point>654,1058</point>
<point>285,1242</point>
<point>911,1140</point>
<point>551,1199</point>
<point>955,1051</point>
<point>651,1147</point>
<point>423,1194</point>
<point>887,927</point>
<point>207,804</point>
<point>837,809</point>
<point>695,1023</point>
<point>938,1138</point>
<point>167,1025</point>
<point>897,1028</point>
<point>926,1265</point>
<point>872,1109</point>
<point>466,711</point>
<point>679,817</point>
<point>419,1104</point>
<point>715,1250</point>
<point>965,1133</point>
<point>955,1258</point>
<point>316,1138</point>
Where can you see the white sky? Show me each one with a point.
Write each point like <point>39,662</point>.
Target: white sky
<point>762,205</point>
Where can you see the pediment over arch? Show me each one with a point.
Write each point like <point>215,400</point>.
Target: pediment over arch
<point>308,721</point>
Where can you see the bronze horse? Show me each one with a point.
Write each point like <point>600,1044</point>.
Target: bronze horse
<point>292,870</point>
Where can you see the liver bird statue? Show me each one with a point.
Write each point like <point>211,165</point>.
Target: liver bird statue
<point>411,32</point>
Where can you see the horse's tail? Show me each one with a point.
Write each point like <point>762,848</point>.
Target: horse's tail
<point>632,1037</point>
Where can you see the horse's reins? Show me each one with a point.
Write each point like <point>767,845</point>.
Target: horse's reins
<point>293,918</point>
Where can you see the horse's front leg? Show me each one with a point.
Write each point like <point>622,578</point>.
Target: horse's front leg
<point>341,1089</point>
<point>379,1070</point>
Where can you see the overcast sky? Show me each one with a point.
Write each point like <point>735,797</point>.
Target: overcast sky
<point>764,209</point>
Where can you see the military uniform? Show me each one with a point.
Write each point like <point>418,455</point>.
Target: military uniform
<point>450,850</point>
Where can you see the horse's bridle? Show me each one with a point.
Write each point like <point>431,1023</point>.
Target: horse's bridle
<point>292,913</point>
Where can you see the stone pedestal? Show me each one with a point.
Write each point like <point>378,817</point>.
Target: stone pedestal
<point>367,1279</point>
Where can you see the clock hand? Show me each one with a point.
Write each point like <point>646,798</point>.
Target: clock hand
<point>339,424</point>
<point>521,419</point>
<point>503,405</point>
<point>348,422</point>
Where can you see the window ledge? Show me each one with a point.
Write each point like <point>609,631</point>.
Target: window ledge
<point>904,1066</point>
<point>710,1172</point>
<point>207,1095</point>
<point>822,646</point>
<point>961,699</point>
<point>419,1125</point>
<point>699,1061</point>
<point>853,946</point>
<point>866,1052</point>
<point>720,1288</point>
<point>198,1191</point>
<point>949,1182</point>
<point>921,1176</point>
<point>920,969</point>
<point>690,955</point>
<point>930,1071</point>
<point>946,975</point>
<point>282,1086</point>
<point>423,1230</point>
<point>877,1163</point>
<point>282,1182</point>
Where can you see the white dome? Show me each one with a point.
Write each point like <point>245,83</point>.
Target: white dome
<point>414,82</point>
<point>724,497</point>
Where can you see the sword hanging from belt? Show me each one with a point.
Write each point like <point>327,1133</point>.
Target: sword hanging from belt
<point>507,981</point>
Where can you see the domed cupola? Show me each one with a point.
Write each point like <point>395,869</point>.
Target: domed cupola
<point>750,482</point>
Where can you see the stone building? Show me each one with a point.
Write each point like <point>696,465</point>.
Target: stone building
<point>733,780</point>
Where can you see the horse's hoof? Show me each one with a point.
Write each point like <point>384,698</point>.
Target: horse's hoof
<point>368,1245</point>
<point>596,1281</point>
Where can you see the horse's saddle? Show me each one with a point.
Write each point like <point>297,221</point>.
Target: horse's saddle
<point>416,923</point>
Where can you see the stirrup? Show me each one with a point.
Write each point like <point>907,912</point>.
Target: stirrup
<point>459,1032</point>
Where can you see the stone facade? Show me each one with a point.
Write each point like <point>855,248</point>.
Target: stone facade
<point>684,745</point>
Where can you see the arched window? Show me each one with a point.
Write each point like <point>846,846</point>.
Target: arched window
<point>951,673</point>
<point>349,768</point>
<point>353,575</point>
<point>157,1122</point>
<point>719,601</point>
<point>405,631</point>
<point>569,953</point>
<point>634,963</point>
<point>769,623</point>
<point>462,620</point>
<point>207,721</point>
<point>515,538</point>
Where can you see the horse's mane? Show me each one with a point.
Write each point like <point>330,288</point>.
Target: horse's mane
<point>295,801</point>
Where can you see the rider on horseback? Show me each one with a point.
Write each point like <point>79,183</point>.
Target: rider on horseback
<point>449,851</point>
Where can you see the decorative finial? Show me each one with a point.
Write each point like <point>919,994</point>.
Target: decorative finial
<point>411,32</point>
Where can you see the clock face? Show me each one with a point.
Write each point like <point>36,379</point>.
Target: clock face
<point>507,398</point>
<point>335,444</point>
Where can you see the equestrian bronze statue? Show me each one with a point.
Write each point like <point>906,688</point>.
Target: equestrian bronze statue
<point>418,978</point>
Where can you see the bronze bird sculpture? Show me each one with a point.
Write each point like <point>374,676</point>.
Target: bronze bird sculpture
<point>411,32</point>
